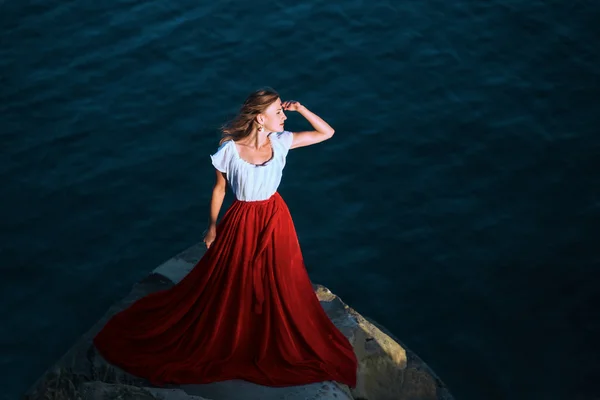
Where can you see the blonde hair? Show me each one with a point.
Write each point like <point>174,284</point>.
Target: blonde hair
<point>245,122</point>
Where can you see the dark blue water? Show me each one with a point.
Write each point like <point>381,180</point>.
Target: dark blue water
<point>458,203</point>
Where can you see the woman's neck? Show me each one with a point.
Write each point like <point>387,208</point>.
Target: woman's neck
<point>257,140</point>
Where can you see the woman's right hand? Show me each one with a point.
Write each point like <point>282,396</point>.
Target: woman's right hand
<point>209,236</point>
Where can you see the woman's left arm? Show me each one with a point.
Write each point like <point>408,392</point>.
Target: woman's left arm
<point>322,132</point>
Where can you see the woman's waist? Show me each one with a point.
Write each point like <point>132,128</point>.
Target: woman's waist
<point>259,200</point>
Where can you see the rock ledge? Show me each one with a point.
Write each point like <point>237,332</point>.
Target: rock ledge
<point>387,370</point>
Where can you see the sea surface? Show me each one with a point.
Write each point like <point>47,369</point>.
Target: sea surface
<point>458,203</point>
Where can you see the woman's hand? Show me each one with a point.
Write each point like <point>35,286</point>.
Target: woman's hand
<point>292,105</point>
<point>209,236</point>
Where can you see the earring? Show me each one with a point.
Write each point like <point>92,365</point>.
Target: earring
<point>261,127</point>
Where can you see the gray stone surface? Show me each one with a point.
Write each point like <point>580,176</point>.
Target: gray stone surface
<point>238,389</point>
<point>103,391</point>
<point>387,369</point>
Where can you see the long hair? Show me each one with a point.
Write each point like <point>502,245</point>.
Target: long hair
<point>245,122</point>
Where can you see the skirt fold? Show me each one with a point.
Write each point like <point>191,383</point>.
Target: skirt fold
<point>247,310</point>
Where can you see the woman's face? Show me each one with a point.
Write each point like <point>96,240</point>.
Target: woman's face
<point>273,117</point>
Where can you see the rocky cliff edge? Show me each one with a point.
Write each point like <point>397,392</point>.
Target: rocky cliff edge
<point>387,369</point>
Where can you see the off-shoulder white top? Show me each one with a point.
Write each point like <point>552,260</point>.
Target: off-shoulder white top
<point>251,182</point>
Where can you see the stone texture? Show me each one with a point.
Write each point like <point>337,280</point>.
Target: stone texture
<point>103,391</point>
<point>238,389</point>
<point>387,369</point>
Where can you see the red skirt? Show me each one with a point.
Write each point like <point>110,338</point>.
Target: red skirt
<point>247,310</point>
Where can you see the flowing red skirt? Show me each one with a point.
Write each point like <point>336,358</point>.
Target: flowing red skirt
<point>247,310</point>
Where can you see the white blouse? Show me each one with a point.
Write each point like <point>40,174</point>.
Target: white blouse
<point>251,182</point>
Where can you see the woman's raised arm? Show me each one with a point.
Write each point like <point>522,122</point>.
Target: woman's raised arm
<point>323,130</point>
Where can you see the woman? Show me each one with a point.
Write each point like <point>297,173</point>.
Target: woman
<point>247,310</point>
